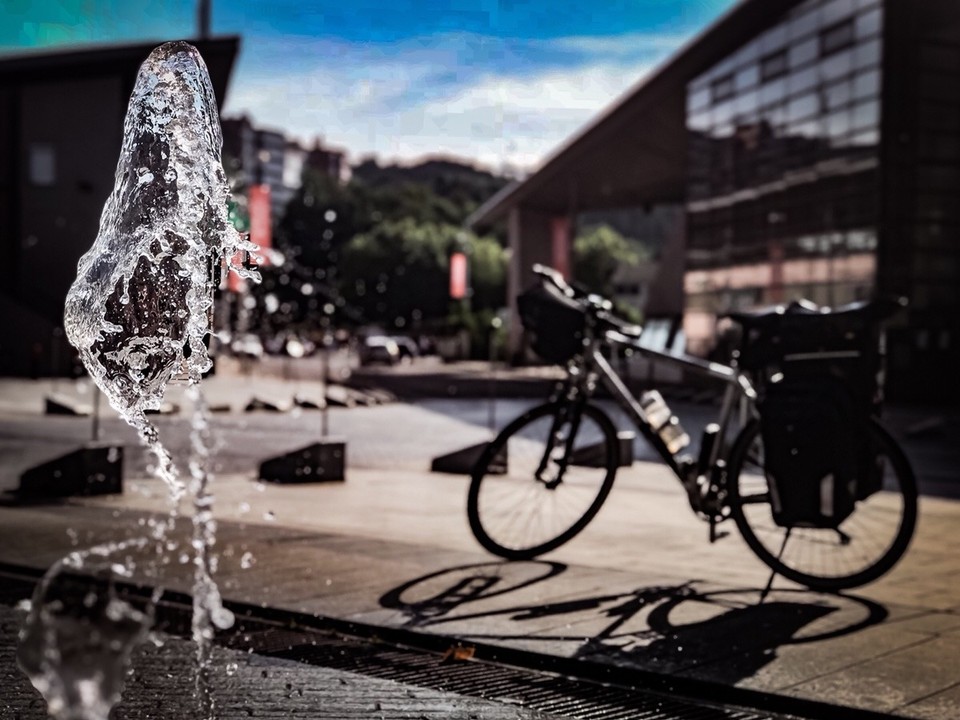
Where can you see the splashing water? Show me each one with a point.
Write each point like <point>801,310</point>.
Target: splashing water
<point>140,310</point>
<point>140,307</point>
<point>76,643</point>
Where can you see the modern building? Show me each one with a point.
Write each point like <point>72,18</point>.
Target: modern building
<point>61,127</point>
<point>262,156</point>
<point>815,147</point>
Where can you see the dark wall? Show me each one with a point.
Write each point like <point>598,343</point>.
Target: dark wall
<point>920,241</point>
<point>82,121</point>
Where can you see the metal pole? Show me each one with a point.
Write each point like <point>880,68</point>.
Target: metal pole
<point>96,413</point>
<point>325,375</point>
<point>492,385</point>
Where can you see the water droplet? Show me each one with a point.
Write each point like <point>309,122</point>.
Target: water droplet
<point>247,560</point>
<point>269,516</point>
<point>232,668</point>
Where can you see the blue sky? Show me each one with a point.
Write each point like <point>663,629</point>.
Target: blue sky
<point>495,81</point>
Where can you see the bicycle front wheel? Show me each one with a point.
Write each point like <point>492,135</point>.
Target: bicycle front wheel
<point>560,461</point>
<point>865,545</point>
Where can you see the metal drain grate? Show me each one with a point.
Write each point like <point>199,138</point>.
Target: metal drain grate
<point>550,694</point>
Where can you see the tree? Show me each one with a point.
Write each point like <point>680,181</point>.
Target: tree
<point>596,255</point>
<point>398,272</point>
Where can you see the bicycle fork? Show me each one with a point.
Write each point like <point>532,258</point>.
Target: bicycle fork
<point>568,413</point>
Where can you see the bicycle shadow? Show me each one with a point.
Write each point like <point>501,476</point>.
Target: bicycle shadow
<point>661,628</point>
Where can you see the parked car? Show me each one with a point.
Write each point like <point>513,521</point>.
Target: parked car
<point>247,345</point>
<point>407,347</point>
<point>380,349</point>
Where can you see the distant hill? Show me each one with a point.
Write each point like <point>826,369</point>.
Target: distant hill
<point>460,183</point>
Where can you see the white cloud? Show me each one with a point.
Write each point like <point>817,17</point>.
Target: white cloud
<point>626,45</point>
<point>395,106</point>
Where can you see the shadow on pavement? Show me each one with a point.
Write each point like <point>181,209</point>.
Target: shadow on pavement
<point>727,634</point>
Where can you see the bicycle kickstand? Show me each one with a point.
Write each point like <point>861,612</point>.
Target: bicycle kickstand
<point>714,533</point>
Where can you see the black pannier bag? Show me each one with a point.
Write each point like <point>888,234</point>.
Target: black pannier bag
<point>804,342</point>
<point>810,438</point>
<point>554,322</point>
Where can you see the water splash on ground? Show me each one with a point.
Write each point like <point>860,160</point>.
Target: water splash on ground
<point>76,643</point>
<point>139,314</point>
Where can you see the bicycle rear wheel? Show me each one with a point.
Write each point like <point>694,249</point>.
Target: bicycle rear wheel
<point>561,459</point>
<point>866,545</point>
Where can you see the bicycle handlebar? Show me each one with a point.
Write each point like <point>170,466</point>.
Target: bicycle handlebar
<point>555,278</point>
<point>599,306</point>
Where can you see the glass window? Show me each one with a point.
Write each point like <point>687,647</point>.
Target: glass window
<point>836,65</point>
<point>776,115</point>
<point>802,107</point>
<point>699,120</point>
<point>806,128</point>
<point>803,80</point>
<point>722,68</point>
<point>747,54</point>
<point>867,54</point>
<point>804,22</point>
<point>747,77</point>
<point>773,65</point>
<point>773,91</point>
<point>722,112</point>
<point>837,124</point>
<point>774,39</point>
<point>699,99</point>
<point>699,83</point>
<point>836,37</point>
<point>869,23</point>
<point>866,138</point>
<point>722,88</point>
<point>837,95</point>
<point>804,52</point>
<point>836,10</point>
<point>42,164</point>
<point>866,114</point>
<point>747,102</point>
<point>866,84</point>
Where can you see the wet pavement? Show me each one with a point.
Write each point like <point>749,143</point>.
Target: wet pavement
<point>640,590</point>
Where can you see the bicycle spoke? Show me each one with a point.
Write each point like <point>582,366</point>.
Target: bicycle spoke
<point>518,512</point>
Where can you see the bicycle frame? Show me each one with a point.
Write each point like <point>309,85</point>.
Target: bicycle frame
<point>739,393</point>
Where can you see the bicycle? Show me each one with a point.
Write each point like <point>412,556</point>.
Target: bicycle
<point>817,487</point>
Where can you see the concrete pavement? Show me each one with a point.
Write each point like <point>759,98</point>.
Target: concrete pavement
<point>640,588</point>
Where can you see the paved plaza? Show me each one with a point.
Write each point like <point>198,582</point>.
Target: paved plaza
<point>640,588</point>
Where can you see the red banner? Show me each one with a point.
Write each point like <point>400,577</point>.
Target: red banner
<point>258,211</point>
<point>458,276</point>
<point>258,205</point>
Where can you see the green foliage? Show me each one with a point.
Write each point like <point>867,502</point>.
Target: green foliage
<point>596,255</point>
<point>381,243</point>
<point>397,273</point>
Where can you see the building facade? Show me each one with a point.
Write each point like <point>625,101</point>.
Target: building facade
<point>256,156</point>
<point>815,145</point>
<point>823,164</point>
